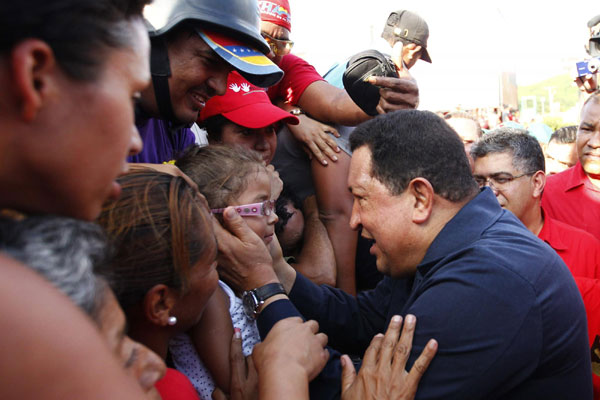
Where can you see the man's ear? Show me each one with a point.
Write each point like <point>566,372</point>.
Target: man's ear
<point>33,65</point>
<point>539,182</point>
<point>158,304</point>
<point>411,51</point>
<point>422,192</point>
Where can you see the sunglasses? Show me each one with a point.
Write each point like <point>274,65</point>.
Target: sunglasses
<point>279,47</point>
<point>255,209</point>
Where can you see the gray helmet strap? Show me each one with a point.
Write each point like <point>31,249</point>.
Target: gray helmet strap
<point>161,71</point>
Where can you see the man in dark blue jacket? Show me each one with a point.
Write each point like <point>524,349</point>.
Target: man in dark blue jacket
<point>502,305</point>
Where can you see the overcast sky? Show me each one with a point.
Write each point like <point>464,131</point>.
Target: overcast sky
<point>470,41</point>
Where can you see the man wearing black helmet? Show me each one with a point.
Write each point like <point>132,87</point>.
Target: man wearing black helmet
<point>195,44</point>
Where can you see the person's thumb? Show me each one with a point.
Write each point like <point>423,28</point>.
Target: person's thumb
<point>348,373</point>
<point>235,224</point>
<point>218,394</point>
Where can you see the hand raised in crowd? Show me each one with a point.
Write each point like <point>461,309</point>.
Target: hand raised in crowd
<point>293,352</point>
<point>382,375</point>
<point>587,83</point>
<point>396,93</point>
<point>316,138</point>
<point>244,378</point>
<point>244,261</point>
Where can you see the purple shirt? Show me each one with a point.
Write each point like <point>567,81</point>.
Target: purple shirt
<point>161,142</point>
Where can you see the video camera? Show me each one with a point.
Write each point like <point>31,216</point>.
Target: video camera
<point>590,66</point>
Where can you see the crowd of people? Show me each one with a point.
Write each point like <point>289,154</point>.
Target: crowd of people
<point>190,211</point>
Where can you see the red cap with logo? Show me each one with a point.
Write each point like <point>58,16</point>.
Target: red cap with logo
<point>277,12</point>
<point>246,105</point>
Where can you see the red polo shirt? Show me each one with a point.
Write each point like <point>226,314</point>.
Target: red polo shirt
<point>581,252</point>
<point>570,197</point>
<point>590,292</point>
<point>176,386</point>
<point>579,249</point>
<point>298,75</point>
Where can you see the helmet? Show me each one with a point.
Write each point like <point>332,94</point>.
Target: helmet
<point>239,18</point>
<point>224,25</point>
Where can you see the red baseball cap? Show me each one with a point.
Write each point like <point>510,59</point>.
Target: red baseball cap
<point>277,12</point>
<point>246,105</point>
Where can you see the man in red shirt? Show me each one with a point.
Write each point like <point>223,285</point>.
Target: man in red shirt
<point>573,196</point>
<point>511,162</point>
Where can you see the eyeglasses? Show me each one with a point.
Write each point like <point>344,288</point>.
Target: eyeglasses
<point>279,47</point>
<point>255,209</point>
<point>498,180</point>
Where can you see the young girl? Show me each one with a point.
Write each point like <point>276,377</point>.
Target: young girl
<point>227,176</point>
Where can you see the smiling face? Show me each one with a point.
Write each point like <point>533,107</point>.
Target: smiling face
<point>138,360</point>
<point>258,189</point>
<point>588,139</point>
<point>384,217</point>
<point>263,140</point>
<point>197,74</point>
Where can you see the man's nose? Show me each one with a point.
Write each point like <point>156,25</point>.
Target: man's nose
<point>217,83</point>
<point>355,218</point>
<point>135,145</point>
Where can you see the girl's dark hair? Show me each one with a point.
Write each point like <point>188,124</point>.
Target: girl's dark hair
<point>160,228</point>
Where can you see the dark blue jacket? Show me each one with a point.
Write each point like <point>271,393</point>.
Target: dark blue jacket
<point>502,305</point>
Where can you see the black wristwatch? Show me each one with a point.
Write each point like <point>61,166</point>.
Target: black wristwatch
<point>254,298</point>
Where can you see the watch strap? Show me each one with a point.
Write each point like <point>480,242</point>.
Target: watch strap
<point>269,290</point>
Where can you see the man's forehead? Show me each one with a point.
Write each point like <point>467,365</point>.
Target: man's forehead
<point>466,128</point>
<point>495,162</point>
<point>360,168</point>
<point>591,112</point>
